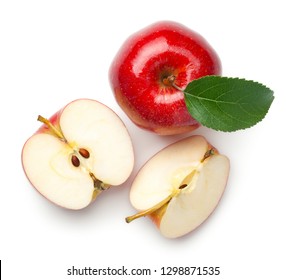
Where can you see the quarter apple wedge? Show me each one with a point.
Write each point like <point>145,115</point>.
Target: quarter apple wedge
<point>180,186</point>
<point>80,152</point>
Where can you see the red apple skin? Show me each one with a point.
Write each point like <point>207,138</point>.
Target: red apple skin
<point>147,57</point>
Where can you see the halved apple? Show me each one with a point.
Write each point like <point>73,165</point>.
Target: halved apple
<point>180,186</point>
<point>81,151</point>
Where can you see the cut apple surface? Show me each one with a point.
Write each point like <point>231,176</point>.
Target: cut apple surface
<point>82,150</point>
<point>180,186</point>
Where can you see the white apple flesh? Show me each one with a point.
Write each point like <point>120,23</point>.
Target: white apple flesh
<point>84,149</point>
<point>180,186</point>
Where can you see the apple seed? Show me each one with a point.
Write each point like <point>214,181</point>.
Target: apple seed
<point>75,161</point>
<point>183,186</point>
<point>84,153</point>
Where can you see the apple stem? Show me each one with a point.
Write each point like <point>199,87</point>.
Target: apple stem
<point>53,129</point>
<point>150,210</point>
<point>177,87</point>
<point>170,81</point>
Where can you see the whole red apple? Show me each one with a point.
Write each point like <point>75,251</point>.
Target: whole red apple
<point>150,68</point>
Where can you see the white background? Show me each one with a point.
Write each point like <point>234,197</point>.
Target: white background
<point>52,52</point>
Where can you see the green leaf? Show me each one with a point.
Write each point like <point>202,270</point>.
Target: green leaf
<point>227,104</point>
